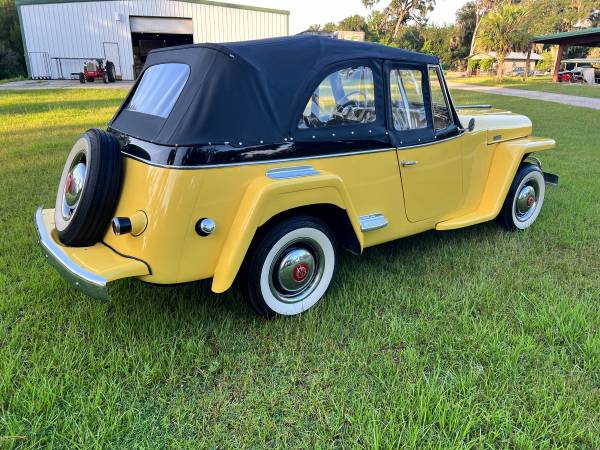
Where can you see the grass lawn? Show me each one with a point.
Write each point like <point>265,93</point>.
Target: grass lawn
<point>10,80</point>
<point>472,338</point>
<point>544,84</point>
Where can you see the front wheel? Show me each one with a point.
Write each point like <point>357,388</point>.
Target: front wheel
<point>290,267</point>
<point>524,200</point>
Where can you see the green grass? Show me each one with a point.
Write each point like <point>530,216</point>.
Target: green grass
<point>10,80</point>
<point>470,338</point>
<point>544,84</point>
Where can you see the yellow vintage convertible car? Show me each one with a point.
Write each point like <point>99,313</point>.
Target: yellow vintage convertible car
<point>259,160</point>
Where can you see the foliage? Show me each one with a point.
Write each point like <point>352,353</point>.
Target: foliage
<point>472,66</point>
<point>400,12</point>
<point>439,41</point>
<point>12,59</point>
<point>473,338</point>
<point>486,64</point>
<point>503,30</point>
<point>353,23</point>
<point>547,61</point>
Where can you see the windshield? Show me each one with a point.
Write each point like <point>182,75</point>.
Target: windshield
<point>159,89</point>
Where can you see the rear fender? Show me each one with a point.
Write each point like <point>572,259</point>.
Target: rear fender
<point>264,198</point>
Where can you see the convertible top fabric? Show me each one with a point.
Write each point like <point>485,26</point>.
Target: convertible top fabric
<point>251,93</point>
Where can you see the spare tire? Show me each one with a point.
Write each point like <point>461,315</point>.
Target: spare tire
<point>89,189</point>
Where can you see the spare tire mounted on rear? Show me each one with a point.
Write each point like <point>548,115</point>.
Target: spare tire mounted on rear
<point>89,189</point>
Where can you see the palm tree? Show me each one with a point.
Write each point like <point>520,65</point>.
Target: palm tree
<point>503,30</point>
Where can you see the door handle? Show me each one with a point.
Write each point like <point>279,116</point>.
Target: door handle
<point>409,163</point>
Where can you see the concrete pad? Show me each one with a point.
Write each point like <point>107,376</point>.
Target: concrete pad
<point>24,85</point>
<point>572,100</point>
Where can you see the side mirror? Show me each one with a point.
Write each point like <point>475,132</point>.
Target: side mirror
<point>471,126</point>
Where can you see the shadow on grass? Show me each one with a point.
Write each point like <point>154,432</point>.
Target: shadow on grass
<point>195,301</point>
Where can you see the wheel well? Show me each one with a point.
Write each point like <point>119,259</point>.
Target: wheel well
<point>335,217</point>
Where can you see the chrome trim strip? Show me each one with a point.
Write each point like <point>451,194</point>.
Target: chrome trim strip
<point>285,160</point>
<point>90,283</point>
<point>372,222</point>
<point>473,107</point>
<point>284,173</point>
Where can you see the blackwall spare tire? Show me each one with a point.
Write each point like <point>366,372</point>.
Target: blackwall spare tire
<point>89,189</point>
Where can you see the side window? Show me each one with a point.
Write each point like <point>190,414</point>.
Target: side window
<point>406,93</point>
<point>439,105</point>
<point>345,97</point>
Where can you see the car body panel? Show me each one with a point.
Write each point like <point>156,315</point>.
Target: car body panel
<point>506,160</point>
<point>432,179</point>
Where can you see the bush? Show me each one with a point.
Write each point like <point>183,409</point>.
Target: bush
<point>486,64</point>
<point>472,66</point>
<point>10,63</point>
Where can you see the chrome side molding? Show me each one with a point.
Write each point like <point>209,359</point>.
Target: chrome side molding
<point>372,222</point>
<point>283,173</point>
<point>473,107</point>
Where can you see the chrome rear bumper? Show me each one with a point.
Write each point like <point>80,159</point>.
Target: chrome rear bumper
<point>90,283</point>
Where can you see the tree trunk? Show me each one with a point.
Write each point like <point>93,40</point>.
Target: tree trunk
<point>527,62</point>
<point>557,63</point>
<point>500,69</point>
<point>477,22</point>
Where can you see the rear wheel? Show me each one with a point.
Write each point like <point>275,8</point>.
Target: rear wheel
<point>112,73</point>
<point>88,189</point>
<point>524,200</point>
<point>290,268</point>
<point>105,78</point>
<point>82,78</point>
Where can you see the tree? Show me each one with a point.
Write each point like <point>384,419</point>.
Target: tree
<point>353,23</point>
<point>401,12</point>
<point>503,30</point>
<point>12,60</point>
<point>464,28</point>
<point>482,7</point>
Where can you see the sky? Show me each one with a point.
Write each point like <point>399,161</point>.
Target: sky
<point>308,12</point>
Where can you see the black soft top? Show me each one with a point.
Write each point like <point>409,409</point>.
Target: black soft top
<point>246,93</point>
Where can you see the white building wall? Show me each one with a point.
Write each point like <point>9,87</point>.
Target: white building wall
<point>79,29</point>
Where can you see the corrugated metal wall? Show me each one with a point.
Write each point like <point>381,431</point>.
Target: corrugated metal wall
<point>80,29</point>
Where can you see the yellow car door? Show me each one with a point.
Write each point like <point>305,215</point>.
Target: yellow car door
<point>428,141</point>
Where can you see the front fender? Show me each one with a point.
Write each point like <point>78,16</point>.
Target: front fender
<point>507,157</point>
<point>263,199</point>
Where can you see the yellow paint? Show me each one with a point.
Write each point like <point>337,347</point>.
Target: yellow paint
<point>139,222</point>
<point>98,258</point>
<point>506,160</point>
<point>458,182</point>
<point>433,186</point>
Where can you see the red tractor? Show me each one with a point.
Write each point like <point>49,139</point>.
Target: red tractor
<point>97,68</point>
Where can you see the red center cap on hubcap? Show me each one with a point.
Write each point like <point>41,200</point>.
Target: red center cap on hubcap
<point>69,183</point>
<point>300,272</point>
<point>530,200</point>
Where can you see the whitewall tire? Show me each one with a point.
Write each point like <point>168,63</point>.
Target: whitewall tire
<point>290,267</point>
<point>525,199</point>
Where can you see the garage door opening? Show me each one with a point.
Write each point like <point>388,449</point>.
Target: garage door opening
<point>149,33</point>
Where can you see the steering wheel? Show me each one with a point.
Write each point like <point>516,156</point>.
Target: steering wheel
<point>345,105</point>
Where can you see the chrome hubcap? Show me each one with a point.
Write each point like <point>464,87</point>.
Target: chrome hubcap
<point>74,184</point>
<point>527,200</point>
<point>296,271</point>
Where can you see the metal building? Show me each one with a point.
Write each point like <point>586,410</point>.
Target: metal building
<point>59,35</point>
